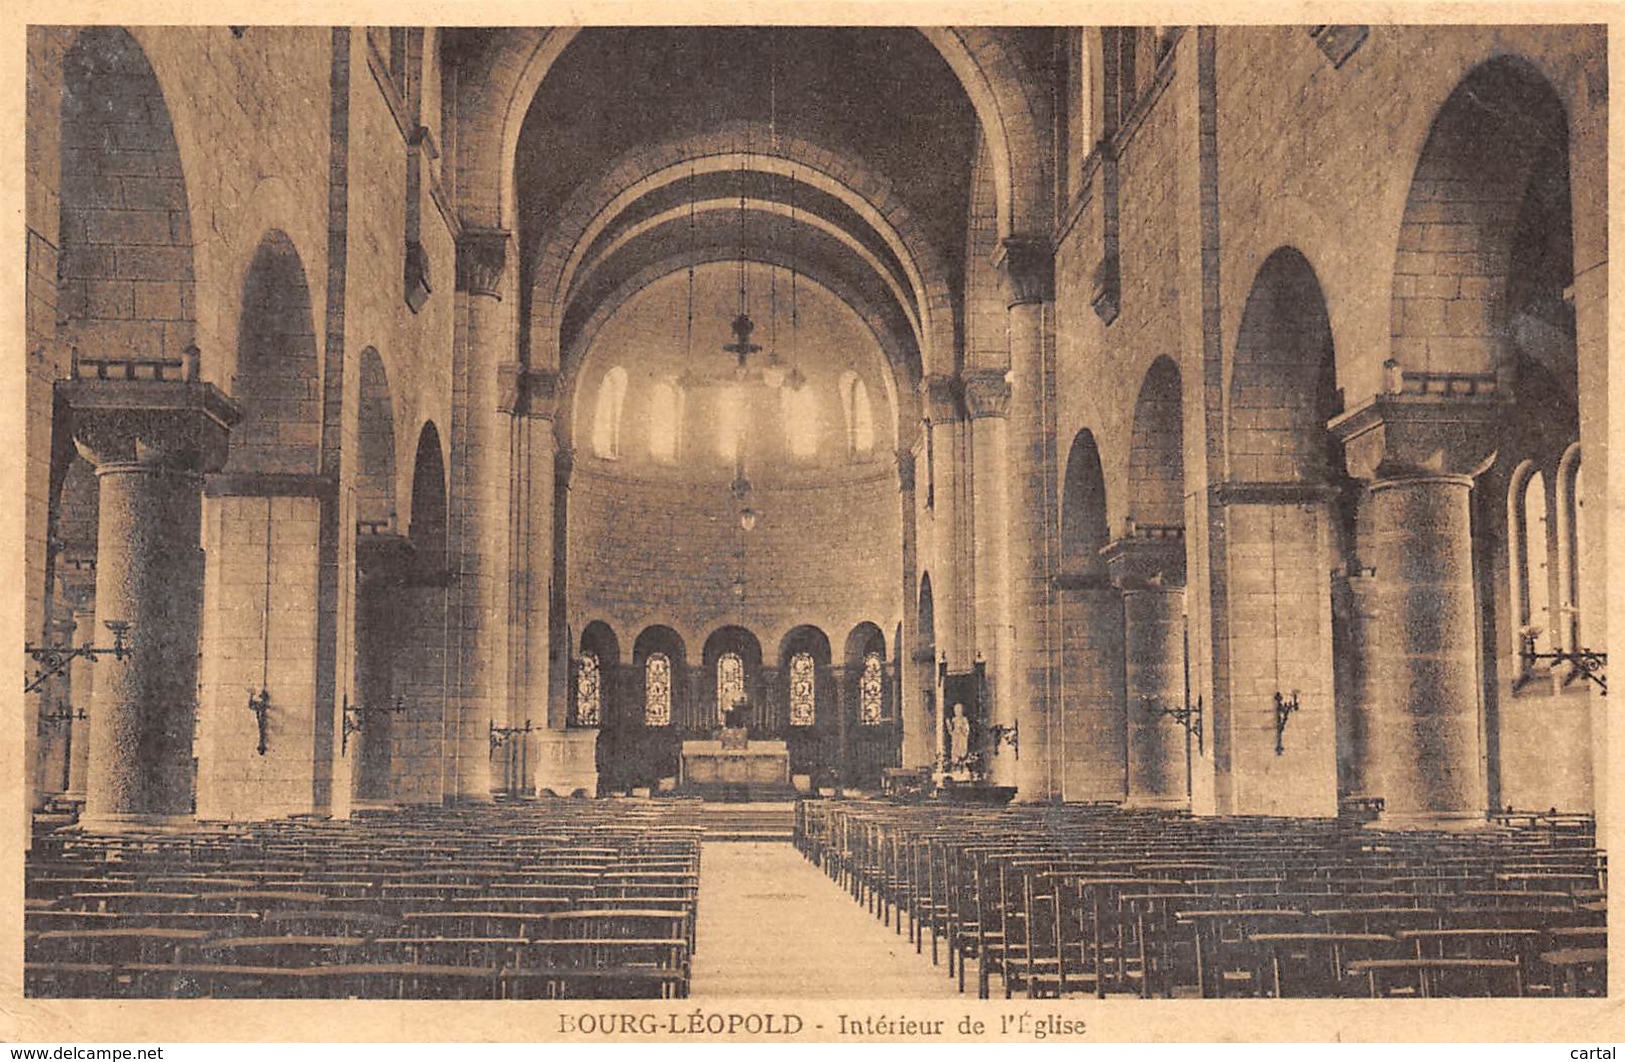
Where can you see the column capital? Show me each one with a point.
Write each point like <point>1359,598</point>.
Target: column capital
<point>482,256</point>
<point>1147,559</point>
<point>1432,424</point>
<point>180,425</point>
<point>987,393</point>
<point>940,395</point>
<point>1027,265</point>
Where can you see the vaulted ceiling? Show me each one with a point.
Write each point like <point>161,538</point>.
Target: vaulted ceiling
<point>761,117</point>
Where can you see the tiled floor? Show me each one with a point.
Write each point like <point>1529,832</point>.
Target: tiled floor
<point>772,925</point>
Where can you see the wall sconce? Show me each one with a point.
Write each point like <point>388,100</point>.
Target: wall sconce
<point>1285,705</point>
<point>54,659</point>
<point>62,713</point>
<point>260,703</point>
<point>1186,715</point>
<point>355,718</point>
<point>501,734</point>
<point>1583,662</point>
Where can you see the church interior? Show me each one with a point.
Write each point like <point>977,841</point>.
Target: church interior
<point>510,509</point>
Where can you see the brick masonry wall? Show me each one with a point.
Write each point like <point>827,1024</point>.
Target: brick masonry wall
<point>647,552</point>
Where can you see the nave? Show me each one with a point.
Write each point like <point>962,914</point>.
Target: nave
<point>575,899</point>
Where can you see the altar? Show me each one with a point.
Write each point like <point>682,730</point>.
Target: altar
<point>720,765</point>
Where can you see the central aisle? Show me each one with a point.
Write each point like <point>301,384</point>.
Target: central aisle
<point>772,925</point>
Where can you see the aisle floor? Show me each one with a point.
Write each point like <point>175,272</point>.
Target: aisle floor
<point>772,925</point>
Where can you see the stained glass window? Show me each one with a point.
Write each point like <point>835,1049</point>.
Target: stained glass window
<point>869,688</point>
<point>802,690</point>
<point>730,683</point>
<point>657,691</point>
<point>588,690</point>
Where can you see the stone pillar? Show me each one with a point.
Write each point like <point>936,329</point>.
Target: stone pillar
<point>481,448</point>
<point>1026,266</point>
<point>151,442</point>
<point>1419,449</point>
<point>384,561</point>
<point>78,581</point>
<point>1149,570</point>
<point>987,399</point>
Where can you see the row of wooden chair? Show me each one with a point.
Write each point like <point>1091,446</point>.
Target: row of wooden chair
<point>1067,899</point>
<point>557,899</point>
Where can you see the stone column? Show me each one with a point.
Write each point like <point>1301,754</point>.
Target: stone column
<point>78,581</point>
<point>843,726</point>
<point>1149,570</point>
<point>541,388</point>
<point>987,400</point>
<point>481,447</point>
<point>384,561</point>
<point>1419,449</point>
<point>913,709</point>
<point>151,442</point>
<point>1026,267</point>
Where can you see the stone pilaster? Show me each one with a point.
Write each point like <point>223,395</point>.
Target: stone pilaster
<point>151,442</point>
<point>1149,571</point>
<point>1419,449</point>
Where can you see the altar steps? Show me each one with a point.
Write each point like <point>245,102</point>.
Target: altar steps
<point>755,821</point>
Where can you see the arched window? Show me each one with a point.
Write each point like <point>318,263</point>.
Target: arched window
<point>1529,563</point>
<point>589,690</point>
<point>803,690</point>
<point>606,421</point>
<point>799,407</point>
<point>730,683</point>
<point>860,419</point>
<point>1569,546</point>
<point>870,685</point>
<point>657,691</point>
<point>665,421</point>
<point>730,421</point>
